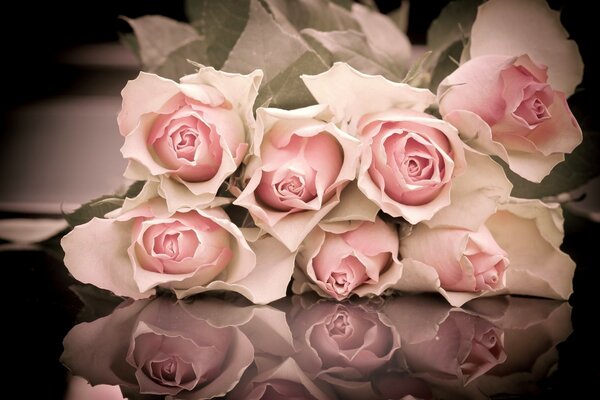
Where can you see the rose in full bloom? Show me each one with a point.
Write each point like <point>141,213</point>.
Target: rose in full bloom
<point>189,136</point>
<point>341,341</point>
<point>465,347</point>
<point>156,347</point>
<point>465,261</point>
<point>338,260</point>
<point>504,105</point>
<point>299,167</point>
<point>516,250</point>
<point>187,251</point>
<point>412,165</point>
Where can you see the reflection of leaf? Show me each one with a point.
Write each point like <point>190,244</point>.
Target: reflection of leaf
<point>352,47</point>
<point>97,303</point>
<point>279,53</point>
<point>578,168</point>
<point>321,15</point>
<point>453,23</point>
<point>446,64</point>
<point>221,22</point>
<point>166,44</point>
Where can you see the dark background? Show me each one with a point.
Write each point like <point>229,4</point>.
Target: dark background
<point>41,309</point>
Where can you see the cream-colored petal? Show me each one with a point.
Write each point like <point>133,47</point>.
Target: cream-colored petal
<point>515,27</point>
<point>474,196</point>
<point>352,94</point>
<point>268,280</point>
<point>96,253</point>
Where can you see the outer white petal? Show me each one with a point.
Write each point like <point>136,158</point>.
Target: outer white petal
<point>515,27</point>
<point>352,94</point>
<point>531,232</point>
<point>240,90</point>
<point>145,94</point>
<point>474,196</point>
<point>96,253</point>
<point>477,134</point>
<point>266,283</point>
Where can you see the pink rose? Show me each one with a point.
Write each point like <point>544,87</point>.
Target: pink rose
<point>155,347</point>
<point>465,347</point>
<point>189,136</point>
<point>339,260</point>
<point>505,106</point>
<point>462,264</point>
<point>342,341</point>
<point>408,162</point>
<point>301,164</point>
<point>188,251</point>
<point>465,261</point>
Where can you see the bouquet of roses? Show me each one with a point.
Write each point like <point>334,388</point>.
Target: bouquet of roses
<point>302,141</point>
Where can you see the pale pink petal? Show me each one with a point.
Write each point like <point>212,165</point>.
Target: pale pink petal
<point>514,27</point>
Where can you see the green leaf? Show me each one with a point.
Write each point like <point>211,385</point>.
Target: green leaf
<point>321,15</point>
<point>383,35</point>
<point>453,24</point>
<point>400,16</point>
<point>352,47</point>
<point>447,62</point>
<point>101,206</point>
<point>128,40</point>
<point>578,168</point>
<point>281,55</point>
<point>166,44</point>
<point>287,91</point>
<point>221,22</point>
<point>95,208</point>
<point>417,68</point>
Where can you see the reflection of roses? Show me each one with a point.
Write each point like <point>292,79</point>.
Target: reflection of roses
<point>156,347</point>
<point>346,341</point>
<point>341,259</point>
<point>189,136</point>
<point>301,164</point>
<point>465,346</point>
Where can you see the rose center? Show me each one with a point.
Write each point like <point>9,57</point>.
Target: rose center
<point>339,324</point>
<point>291,187</point>
<point>185,142</point>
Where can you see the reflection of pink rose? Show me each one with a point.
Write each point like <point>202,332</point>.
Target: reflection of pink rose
<point>157,348</point>
<point>465,346</point>
<point>300,167</point>
<point>531,124</point>
<point>343,259</point>
<point>343,341</point>
<point>409,162</point>
<point>465,261</point>
<point>190,135</point>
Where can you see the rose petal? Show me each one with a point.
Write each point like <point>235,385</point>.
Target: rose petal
<point>352,94</point>
<point>96,253</point>
<point>514,27</point>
